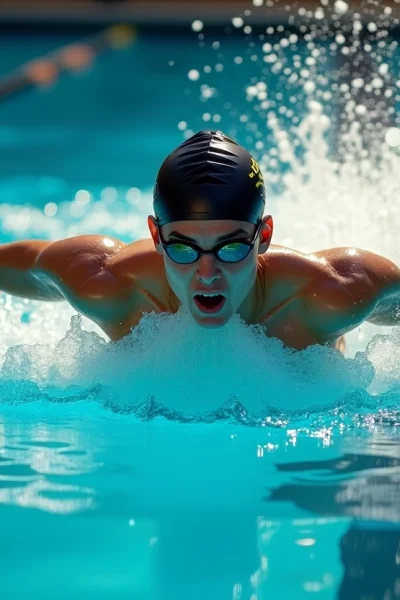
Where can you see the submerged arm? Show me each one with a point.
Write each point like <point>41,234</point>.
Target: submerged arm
<point>387,309</point>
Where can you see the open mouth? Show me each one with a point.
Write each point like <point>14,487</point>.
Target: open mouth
<point>209,304</point>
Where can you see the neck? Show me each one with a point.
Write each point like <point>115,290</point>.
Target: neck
<point>248,309</point>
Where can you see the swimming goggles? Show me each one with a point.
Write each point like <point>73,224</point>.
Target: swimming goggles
<point>231,252</point>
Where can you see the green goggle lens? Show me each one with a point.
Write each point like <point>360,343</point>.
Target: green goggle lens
<point>231,253</point>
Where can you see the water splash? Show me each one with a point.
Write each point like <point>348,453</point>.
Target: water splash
<point>169,367</point>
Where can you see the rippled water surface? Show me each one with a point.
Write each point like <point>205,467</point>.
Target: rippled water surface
<point>97,505</point>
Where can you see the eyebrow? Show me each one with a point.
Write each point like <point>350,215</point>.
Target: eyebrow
<point>227,236</point>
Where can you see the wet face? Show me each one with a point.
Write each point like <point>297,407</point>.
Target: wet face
<point>212,290</point>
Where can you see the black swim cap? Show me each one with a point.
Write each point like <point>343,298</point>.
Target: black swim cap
<point>209,177</point>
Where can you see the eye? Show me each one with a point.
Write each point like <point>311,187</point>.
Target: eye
<point>233,245</point>
<point>179,246</point>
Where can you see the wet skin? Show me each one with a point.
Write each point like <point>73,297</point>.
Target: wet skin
<point>302,299</point>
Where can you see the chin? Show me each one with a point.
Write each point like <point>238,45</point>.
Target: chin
<point>210,322</point>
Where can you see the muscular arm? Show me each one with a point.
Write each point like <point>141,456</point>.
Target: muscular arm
<point>75,269</point>
<point>109,282</point>
<point>19,275</point>
<point>359,286</point>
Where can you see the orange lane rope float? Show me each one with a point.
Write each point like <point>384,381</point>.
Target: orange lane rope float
<point>45,71</point>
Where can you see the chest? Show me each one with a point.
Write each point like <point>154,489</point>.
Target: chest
<point>157,299</point>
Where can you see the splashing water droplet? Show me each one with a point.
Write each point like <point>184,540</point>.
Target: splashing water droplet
<point>193,75</point>
<point>237,22</point>
<point>197,25</point>
<point>392,137</point>
<point>340,7</point>
<point>309,87</point>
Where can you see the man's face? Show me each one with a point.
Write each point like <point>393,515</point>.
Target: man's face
<point>191,283</point>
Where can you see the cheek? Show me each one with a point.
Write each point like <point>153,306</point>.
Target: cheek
<point>243,273</point>
<point>177,277</point>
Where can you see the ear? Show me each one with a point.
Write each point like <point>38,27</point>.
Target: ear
<point>266,231</point>
<point>152,224</point>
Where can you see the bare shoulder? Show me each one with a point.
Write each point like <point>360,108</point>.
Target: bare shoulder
<point>353,265</point>
<point>287,263</point>
<point>356,280</point>
<point>141,262</point>
<point>140,258</point>
<point>329,292</point>
<point>92,264</point>
<point>344,266</point>
<point>73,261</point>
<point>110,282</point>
<point>284,275</point>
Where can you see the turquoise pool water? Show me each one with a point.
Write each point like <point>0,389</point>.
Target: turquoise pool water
<point>176,464</point>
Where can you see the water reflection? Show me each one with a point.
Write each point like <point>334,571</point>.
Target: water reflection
<point>365,486</point>
<point>330,487</point>
<point>371,561</point>
<point>346,464</point>
<point>41,467</point>
<point>178,511</point>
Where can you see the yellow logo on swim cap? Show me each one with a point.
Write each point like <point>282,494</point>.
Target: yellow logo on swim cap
<point>255,170</point>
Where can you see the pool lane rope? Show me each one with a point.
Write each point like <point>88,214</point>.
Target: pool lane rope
<point>77,57</point>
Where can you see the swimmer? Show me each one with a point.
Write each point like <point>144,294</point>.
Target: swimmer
<point>210,250</point>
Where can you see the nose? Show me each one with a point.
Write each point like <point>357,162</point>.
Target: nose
<point>206,271</point>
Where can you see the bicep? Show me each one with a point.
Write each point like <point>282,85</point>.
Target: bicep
<point>355,284</point>
<point>361,271</point>
<point>71,262</point>
<point>78,267</point>
<point>330,308</point>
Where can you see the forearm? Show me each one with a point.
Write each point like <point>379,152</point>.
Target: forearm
<point>18,275</point>
<point>387,310</point>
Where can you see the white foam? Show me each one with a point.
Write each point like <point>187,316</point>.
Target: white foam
<point>194,371</point>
